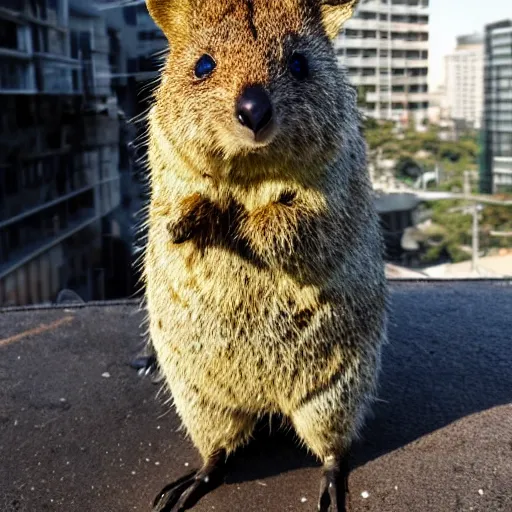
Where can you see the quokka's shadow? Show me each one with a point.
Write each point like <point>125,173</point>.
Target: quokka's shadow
<point>274,450</point>
<point>449,356</point>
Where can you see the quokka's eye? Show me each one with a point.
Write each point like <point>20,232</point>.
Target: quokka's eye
<point>205,66</point>
<point>299,66</point>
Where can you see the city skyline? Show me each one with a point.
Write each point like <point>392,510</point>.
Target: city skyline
<point>448,20</point>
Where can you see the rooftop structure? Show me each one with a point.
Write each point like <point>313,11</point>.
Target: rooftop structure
<point>487,267</point>
<point>397,213</point>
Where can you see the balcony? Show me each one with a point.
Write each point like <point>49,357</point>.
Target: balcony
<point>375,62</point>
<point>362,80</point>
<point>384,26</point>
<point>45,14</point>
<point>407,9</point>
<point>382,44</point>
<point>40,181</point>
<point>97,80</point>
<point>397,97</point>
<point>14,39</point>
<point>378,7</point>
<point>361,62</point>
<point>59,75</point>
<point>21,243</point>
<point>73,412</point>
<point>403,44</point>
<point>409,63</point>
<point>360,43</point>
<point>16,76</point>
<point>409,80</point>
<point>10,9</point>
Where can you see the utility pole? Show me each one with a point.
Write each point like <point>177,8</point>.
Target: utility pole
<point>467,184</point>
<point>476,209</point>
<point>474,265</point>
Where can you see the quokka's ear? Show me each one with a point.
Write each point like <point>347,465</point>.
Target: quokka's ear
<point>172,16</point>
<point>335,13</point>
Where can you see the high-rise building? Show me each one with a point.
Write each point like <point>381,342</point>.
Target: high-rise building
<point>59,151</point>
<point>141,54</point>
<point>136,74</point>
<point>385,50</point>
<point>497,120</point>
<point>464,80</point>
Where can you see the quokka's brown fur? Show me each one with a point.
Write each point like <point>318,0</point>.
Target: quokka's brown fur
<point>265,281</point>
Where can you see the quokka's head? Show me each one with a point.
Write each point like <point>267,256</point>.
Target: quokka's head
<point>254,78</point>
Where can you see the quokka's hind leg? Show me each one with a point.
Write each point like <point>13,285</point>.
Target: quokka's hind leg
<point>328,422</point>
<point>185,492</point>
<point>216,432</point>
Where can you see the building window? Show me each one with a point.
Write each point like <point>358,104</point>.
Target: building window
<point>13,75</point>
<point>365,15</point>
<point>130,15</point>
<point>38,9</point>
<point>8,35</point>
<point>369,34</point>
<point>131,65</point>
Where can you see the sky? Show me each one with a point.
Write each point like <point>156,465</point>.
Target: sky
<point>451,18</point>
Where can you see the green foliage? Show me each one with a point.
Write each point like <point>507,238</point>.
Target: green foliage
<point>452,230</point>
<point>407,167</point>
<point>452,156</point>
<point>496,218</point>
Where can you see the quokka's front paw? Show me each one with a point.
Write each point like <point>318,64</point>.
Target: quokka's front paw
<point>271,230</point>
<point>197,215</point>
<point>273,217</point>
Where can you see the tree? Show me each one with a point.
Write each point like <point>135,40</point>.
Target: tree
<point>408,168</point>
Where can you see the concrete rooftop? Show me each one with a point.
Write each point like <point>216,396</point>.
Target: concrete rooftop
<point>80,431</point>
<point>488,266</point>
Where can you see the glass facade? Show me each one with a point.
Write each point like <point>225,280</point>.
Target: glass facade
<point>497,127</point>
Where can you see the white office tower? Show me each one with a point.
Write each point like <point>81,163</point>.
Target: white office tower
<point>464,80</point>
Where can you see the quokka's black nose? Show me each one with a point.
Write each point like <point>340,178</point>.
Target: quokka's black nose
<point>254,109</point>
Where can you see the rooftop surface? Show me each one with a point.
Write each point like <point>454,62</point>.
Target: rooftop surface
<point>81,432</point>
<point>488,266</point>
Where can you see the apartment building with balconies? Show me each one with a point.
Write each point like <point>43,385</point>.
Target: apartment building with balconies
<point>59,151</point>
<point>384,48</point>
